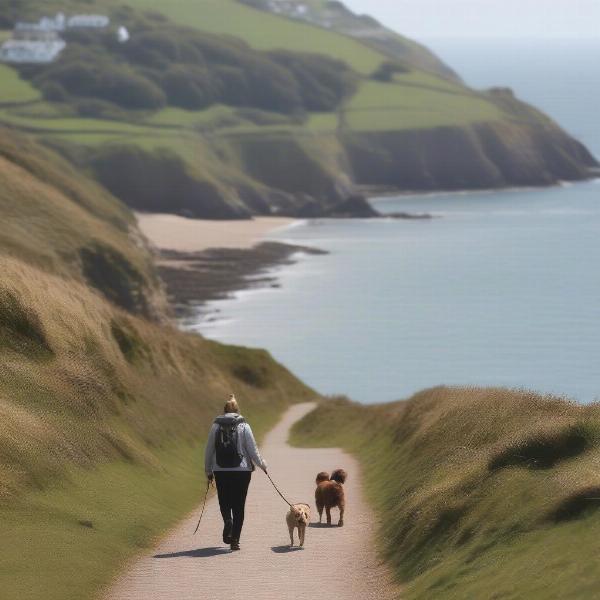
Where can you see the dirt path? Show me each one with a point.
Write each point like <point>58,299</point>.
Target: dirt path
<point>335,564</point>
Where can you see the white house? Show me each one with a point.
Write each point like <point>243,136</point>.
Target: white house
<point>88,21</point>
<point>56,23</point>
<point>31,51</point>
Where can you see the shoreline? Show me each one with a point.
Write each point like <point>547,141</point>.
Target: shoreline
<point>193,279</point>
<point>181,234</point>
<point>202,260</point>
<point>386,193</point>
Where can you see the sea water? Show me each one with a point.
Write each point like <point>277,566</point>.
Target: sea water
<point>501,288</point>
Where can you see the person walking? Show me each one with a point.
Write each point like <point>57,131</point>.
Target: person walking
<point>230,455</point>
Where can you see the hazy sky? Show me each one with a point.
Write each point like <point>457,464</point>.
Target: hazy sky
<point>424,19</point>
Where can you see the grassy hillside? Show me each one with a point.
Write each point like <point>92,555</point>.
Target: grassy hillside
<point>203,76</point>
<point>14,89</point>
<point>335,16</point>
<point>104,412</point>
<point>262,30</point>
<point>480,493</point>
<point>59,221</point>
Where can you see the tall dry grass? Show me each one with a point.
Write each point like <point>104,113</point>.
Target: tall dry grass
<point>83,382</point>
<point>470,483</point>
<point>62,222</point>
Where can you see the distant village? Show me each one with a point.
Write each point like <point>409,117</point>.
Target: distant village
<point>41,42</point>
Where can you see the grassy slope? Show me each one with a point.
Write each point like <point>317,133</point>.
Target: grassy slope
<point>416,100</point>
<point>13,88</point>
<point>481,493</point>
<point>103,413</point>
<point>409,103</point>
<point>262,30</point>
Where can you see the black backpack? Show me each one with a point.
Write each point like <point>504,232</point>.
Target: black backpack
<point>226,442</point>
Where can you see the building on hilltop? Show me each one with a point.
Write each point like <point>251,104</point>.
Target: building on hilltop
<point>88,21</point>
<point>32,47</point>
<point>56,23</point>
<point>40,43</point>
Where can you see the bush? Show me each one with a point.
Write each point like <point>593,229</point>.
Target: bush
<point>163,64</point>
<point>21,329</point>
<point>114,277</point>
<point>54,92</point>
<point>98,109</point>
<point>322,82</point>
<point>130,90</point>
<point>386,71</point>
<point>189,87</point>
<point>101,80</point>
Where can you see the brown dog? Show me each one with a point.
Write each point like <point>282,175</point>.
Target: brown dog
<point>330,493</point>
<point>298,516</point>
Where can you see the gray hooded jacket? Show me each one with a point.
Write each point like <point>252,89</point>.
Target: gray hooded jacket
<point>246,447</point>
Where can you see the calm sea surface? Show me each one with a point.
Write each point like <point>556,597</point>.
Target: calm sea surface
<point>502,289</point>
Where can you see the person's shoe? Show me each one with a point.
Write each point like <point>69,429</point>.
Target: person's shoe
<point>227,531</point>
<point>235,545</point>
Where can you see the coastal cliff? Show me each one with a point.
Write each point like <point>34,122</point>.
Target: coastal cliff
<point>290,116</point>
<point>307,175</point>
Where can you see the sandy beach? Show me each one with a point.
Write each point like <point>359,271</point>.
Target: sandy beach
<point>171,232</point>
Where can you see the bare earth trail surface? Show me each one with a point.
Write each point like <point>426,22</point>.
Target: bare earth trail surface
<point>336,563</point>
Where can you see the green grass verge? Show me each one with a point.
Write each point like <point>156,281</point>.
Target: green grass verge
<point>54,552</point>
<point>72,125</point>
<point>56,557</point>
<point>15,89</point>
<point>480,493</point>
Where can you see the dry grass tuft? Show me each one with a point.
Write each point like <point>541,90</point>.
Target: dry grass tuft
<point>473,483</point>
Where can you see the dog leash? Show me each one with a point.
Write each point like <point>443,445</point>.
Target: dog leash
<point>277,490</point>
<point>203,505</point>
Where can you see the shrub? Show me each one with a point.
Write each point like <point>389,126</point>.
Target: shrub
<point>542,449</point>
<point>323,83</point>
<point>163,64</point>
<point>386,71</point>
<point>21,329</point>
<point>130,90</point>
<point>189,87</point>
<point>97,109</point>
<point>108,271</point>
<point>94,78</point>
<point>54,92</point>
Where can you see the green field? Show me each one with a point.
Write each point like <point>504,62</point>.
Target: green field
<point>413,100</point>
<point>395,106</point>
<point>14,89</point>
<point>480,493</point>
<point>263,30</point>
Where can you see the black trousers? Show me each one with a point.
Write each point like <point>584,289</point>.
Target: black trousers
<point>232,488</point>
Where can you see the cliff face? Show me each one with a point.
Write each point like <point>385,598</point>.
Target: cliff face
<point>308,175</point>
<point>487,155</point>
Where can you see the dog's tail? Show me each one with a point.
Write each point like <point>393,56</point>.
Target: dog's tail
<point>339,475</point>
<point>322,476</point>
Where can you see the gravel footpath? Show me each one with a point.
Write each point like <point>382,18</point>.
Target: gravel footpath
<point>337,563</point>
